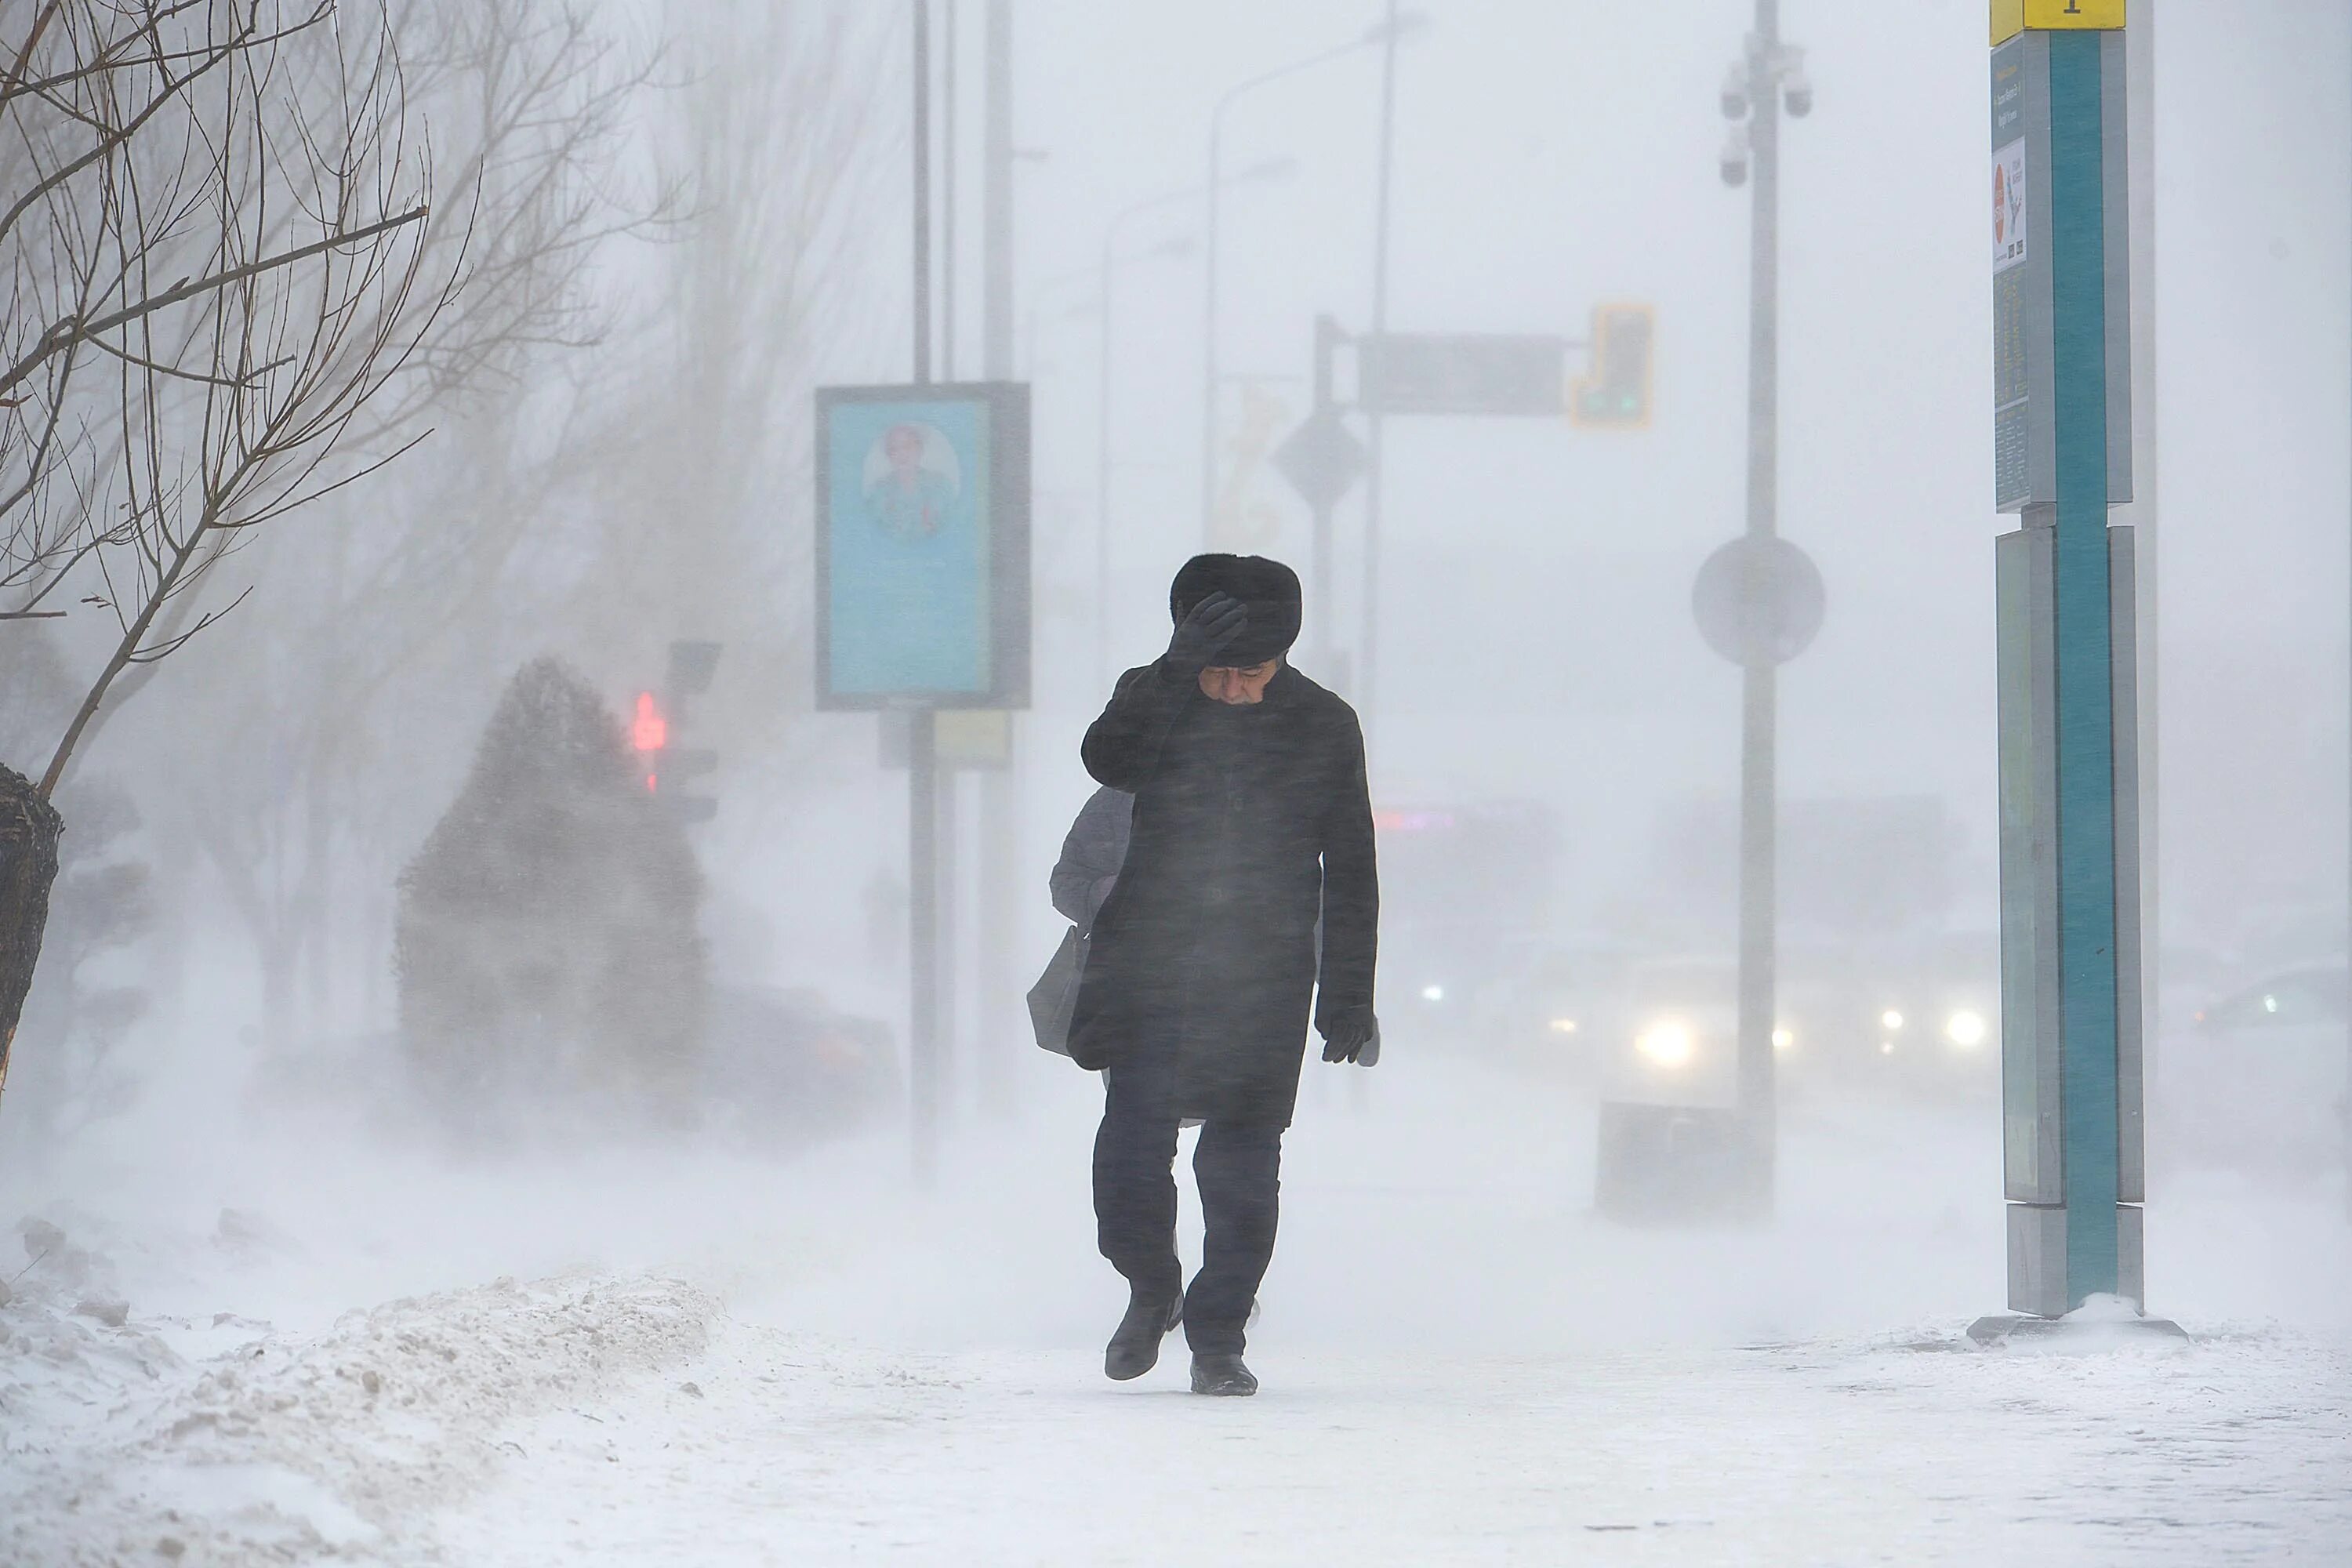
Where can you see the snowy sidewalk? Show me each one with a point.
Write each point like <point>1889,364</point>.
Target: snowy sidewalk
<point>628,1423</point>
<point>717,1362</point>
<point>792,1449</point>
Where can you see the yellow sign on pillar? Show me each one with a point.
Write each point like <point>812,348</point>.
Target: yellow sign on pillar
<point>973,737</point>
<point>2011,18</point>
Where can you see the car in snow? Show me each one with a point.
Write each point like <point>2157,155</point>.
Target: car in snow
<point>784,1068</point>
<point>1918,1019</point>
<point>1664,1027</point>
<point>2262,1079</point>
<point>1462,883</point>
<point>1440,980</point>
<point>1671,1035</point>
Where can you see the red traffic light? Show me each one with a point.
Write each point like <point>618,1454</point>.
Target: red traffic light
<point>649,731</point>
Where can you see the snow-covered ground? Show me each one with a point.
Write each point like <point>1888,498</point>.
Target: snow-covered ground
<point>334,1347</point>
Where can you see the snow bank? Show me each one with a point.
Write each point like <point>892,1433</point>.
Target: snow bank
<point>244,1445</point>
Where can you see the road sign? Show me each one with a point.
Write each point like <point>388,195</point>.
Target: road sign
<point>1758,601</point>
<point>1322,459</point>
<point>1461,372</point>
<point>965,740</point>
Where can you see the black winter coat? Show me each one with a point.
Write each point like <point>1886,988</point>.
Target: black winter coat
<point>1248,821</point>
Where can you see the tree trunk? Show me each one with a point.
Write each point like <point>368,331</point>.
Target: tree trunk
<point>29,827</point>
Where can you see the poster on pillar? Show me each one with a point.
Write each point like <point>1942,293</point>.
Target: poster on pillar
<point>2026,243</point>
<point>2008,207</point>
<point>922,546</point>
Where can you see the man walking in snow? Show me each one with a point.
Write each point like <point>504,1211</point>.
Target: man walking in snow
<point>1250,819</point>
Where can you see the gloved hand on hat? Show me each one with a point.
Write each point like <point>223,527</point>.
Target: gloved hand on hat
<point>1200,637</point>
<point>1267,592</point>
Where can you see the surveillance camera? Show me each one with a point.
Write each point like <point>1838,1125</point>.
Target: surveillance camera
<point>1797,88</point>
<point>1735,94</point>
<point>1732,162</point>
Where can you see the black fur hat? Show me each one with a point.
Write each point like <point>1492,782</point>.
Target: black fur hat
<point>1269,588</point>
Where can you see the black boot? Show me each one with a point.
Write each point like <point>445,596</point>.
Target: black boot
<point>1222,1374</point>
<point>1134,1350</point>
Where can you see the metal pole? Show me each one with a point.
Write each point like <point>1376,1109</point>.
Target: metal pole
<point>949,782</point>
<point>922,834</point>
<point>922,149</point>
<point>922,749</point>
<point>999,793</point>
<point>1209,269</point>
<point>996,198</point>
<point>948,804</point>
<point>2140,511</point>
<point>1107,267</point>
<point>2349,1103</point>
<point>1208,327</point>
<point>1759,763</point>
<point>948,161</point>
<point>1102,455</point>
<point>1327,339</point>
<point>1368,666</point>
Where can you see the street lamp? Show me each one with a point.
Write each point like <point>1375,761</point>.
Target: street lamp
<point>1170,248</point>
<point>1383,33</point>
<point>1276,168</point>
<point>1768,76</point>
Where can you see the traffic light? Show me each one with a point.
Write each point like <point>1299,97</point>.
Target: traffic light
<point>666,768</point>
<point>1616,396</point>
<point>649,729</point>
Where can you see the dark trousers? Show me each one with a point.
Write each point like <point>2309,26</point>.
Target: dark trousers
<point>1238,1167</point>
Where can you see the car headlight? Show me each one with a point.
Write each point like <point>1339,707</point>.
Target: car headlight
<point>1563,1025</point>
<point>1433,993</point>
<point>1667,1044</point>
<point>1783,1038</point>
<point>1890,1019</point>
<point>1966,1028</point>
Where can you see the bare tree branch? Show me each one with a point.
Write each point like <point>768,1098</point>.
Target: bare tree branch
<point>257,170</point>
<point>66,332</point>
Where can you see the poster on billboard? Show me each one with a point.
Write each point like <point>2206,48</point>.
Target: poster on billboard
<point>922,546</point>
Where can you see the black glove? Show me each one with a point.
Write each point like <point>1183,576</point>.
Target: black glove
<point>1356,1040</point>
<point>1204,633</point>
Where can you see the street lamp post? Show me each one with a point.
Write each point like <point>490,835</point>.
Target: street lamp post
<point>1112,260</point>
<point>1375,448</point>
<point>922,750</point>
<point>1394,27</point>
<point>1768,77</point>
<point>1266,169</point>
